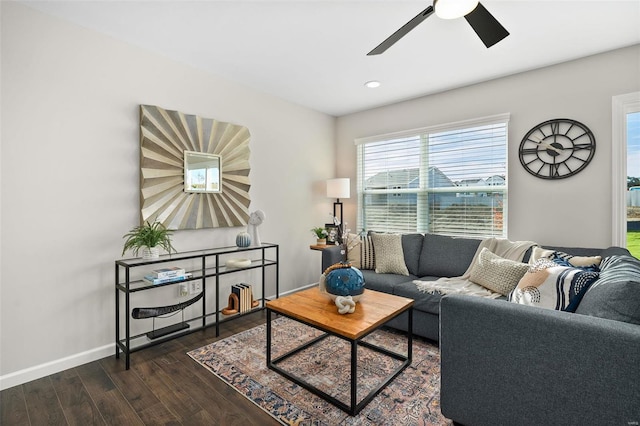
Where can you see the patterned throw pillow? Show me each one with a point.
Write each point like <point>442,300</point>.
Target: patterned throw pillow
<point>389,256</point>
<point>367,255</point>
<point>496,273</point>
<point>591,262</point>
<point>549,285</point>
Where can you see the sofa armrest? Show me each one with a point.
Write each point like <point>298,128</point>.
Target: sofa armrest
<point>331,255</point>
<point>504,363</point>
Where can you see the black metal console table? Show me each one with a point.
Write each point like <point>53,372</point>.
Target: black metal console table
<point>205,266</point>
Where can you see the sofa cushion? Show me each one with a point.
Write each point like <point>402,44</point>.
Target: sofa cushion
<point>426,302</point>
<point>616,294</point>
<point>412,246</point>
<point>444,256</point>
<point>552,286</point>
<point>383,282</point>
<point>389,254</point>
<point>496,273</point>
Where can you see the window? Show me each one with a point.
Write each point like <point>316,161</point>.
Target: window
<point>448,180</point>
<point>625,156</point>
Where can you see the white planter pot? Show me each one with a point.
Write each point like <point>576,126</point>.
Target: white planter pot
<point>149,253</point>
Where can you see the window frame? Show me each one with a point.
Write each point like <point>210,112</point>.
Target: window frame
<point>621,106</point>
<point>422,192</point>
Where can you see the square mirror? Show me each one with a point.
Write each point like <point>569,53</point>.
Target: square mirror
<point>202,172</point>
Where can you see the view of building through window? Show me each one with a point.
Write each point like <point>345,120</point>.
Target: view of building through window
<point>448,182</point>
<point>633,183</point>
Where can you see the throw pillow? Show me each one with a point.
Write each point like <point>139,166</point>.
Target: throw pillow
<point>367,255</point>
<point>354,248</point>
<point>496,273</point>
<point>389,255</point>
<point>549,285</point>
<point>616,295</point>
<point>538,253</point>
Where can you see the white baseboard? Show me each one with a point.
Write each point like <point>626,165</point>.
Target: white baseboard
<point>38,371</point>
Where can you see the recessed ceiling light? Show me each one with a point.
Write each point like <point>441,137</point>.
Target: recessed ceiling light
<point>372,84</point>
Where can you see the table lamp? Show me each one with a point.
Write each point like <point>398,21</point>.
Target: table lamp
<point>338,188</point>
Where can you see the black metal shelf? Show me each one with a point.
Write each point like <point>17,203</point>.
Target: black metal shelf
<point>211,269</point>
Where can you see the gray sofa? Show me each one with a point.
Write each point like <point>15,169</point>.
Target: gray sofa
<point>429,257</point>
<point>504,363</point>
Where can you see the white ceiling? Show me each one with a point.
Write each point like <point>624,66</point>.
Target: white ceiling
<point>313,53</point>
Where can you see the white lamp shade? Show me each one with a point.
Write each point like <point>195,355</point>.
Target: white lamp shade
<point>338,188</point>
<point>452,9</point>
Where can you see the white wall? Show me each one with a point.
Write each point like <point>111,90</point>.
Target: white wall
<point>572,212</point>
<point>70,180</point>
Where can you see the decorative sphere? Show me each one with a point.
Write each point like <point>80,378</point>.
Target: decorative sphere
<point>243,239</point>
<point>344,282</point>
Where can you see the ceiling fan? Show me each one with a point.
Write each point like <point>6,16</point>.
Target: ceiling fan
<point>483,23</point>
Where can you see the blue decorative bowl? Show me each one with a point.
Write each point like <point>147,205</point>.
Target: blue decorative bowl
<point>344,282</point>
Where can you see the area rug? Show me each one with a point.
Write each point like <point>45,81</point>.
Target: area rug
<point>412,398</point>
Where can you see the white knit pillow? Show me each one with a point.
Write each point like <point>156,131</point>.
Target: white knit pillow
<point>388,253</point>
<point>496,273</point>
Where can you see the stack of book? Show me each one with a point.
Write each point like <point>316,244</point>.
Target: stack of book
<point>166,275</point>
<point>244,292</point>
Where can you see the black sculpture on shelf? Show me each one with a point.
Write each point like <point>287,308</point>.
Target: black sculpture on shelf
<point>141,313</point>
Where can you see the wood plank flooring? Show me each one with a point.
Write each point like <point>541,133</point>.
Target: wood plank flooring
<point>163,387</point>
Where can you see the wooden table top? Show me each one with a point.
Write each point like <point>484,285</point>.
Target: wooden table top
<point>311,306</point>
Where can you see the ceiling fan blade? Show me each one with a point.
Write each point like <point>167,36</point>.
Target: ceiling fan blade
<point>393,38</point>
<point>486,26</point>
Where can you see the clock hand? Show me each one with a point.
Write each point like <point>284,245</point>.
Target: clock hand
<point>548,146</point>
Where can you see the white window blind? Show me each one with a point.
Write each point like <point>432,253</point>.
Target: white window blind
<point>448,180</point>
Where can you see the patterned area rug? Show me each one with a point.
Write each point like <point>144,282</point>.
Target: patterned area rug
<point>413,398</point>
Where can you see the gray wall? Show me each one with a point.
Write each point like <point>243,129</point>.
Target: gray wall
<point>70,181</point>
<point>574,211</point>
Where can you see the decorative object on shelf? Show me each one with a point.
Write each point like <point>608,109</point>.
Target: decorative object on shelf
<point>255,220</point>
<point>173,144</point>
<point>344,284</point>
<point>140,313</point>
<point>333,233</point>
<point>240,300</point>
<point>243,239</point>
<point>150,237</point>
<point>557,149</point>
<point>338,188</point>
<point>321,235</point>
<point>238,263</point>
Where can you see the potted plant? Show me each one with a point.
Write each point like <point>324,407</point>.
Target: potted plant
<point>150,237</point>
<point>321,235</point>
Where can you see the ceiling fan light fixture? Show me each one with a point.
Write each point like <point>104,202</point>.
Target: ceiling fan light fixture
<point>452,9</point>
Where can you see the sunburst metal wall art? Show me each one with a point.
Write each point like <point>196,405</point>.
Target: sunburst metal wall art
<point>164,136</point>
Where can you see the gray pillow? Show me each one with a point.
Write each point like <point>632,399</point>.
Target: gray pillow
<point>411,246</point>
<point>444,256</point>
<point>616,294</point>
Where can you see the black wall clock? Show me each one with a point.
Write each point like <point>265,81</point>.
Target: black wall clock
<point>557,149</point>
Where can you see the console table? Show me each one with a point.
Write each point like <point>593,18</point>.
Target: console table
<point>205,267</point>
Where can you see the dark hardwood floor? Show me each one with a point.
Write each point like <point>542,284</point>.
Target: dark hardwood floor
<point>163,386</point>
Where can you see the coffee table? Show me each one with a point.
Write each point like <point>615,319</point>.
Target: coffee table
<point>315,309</point>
